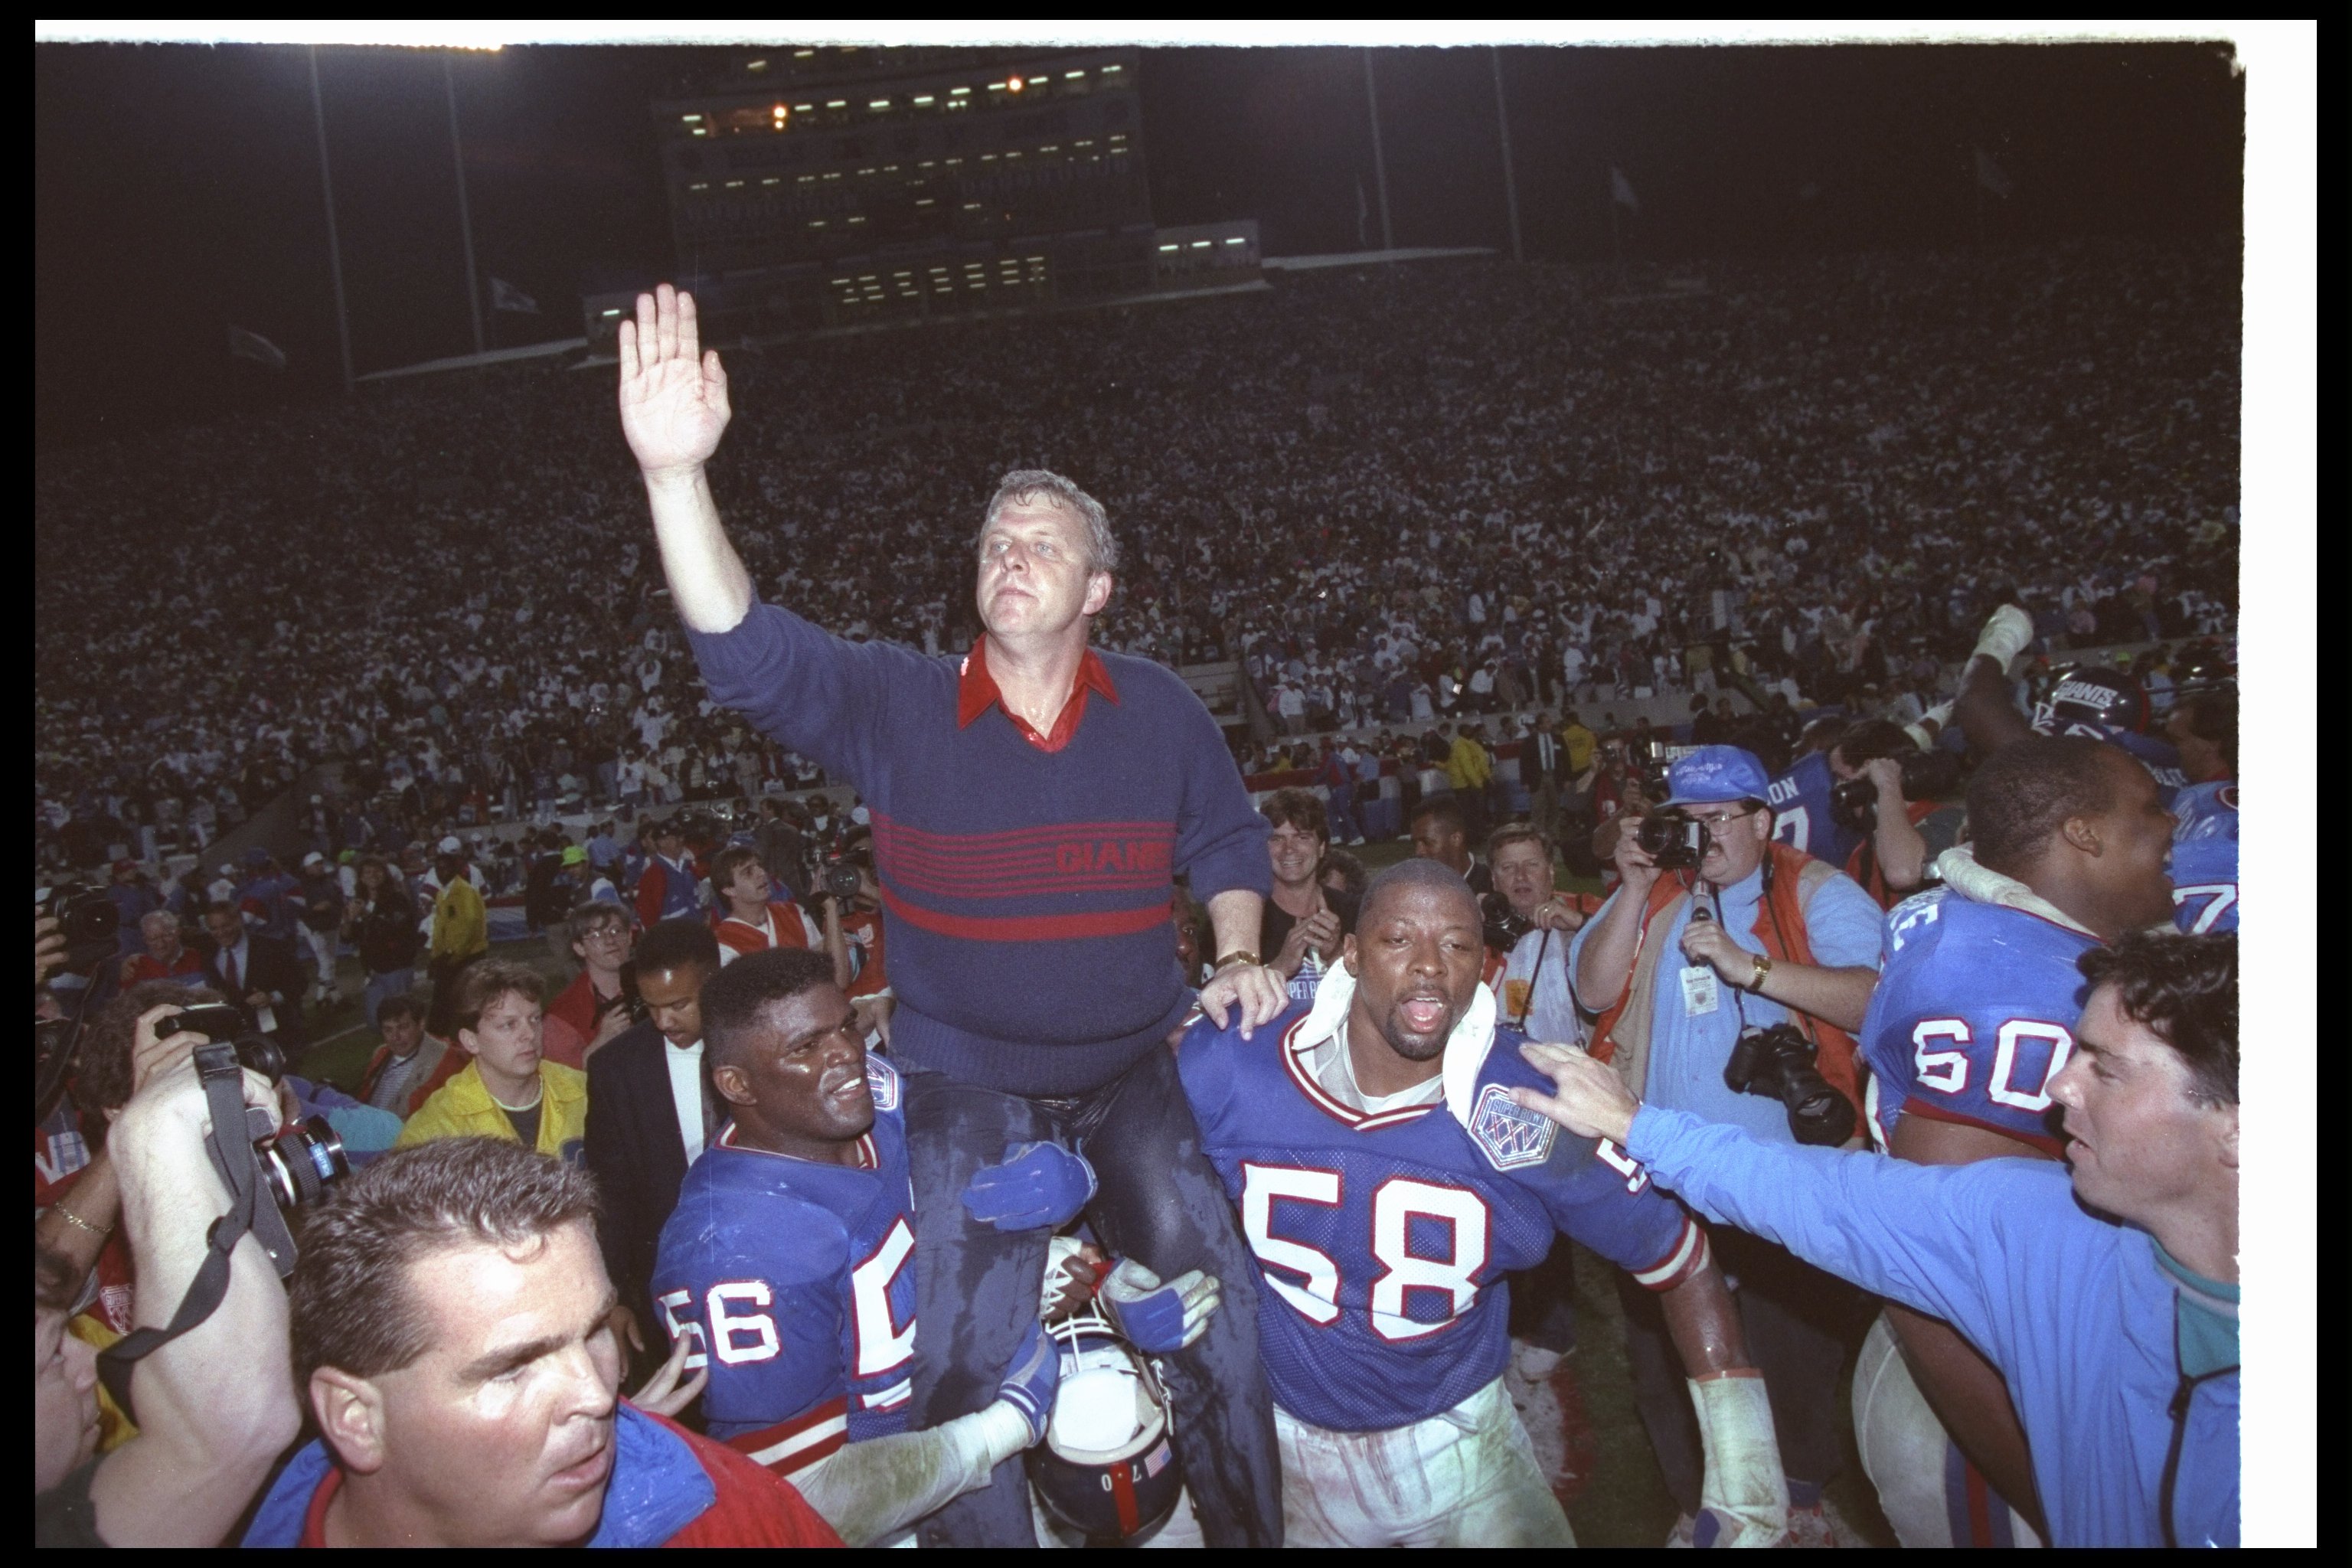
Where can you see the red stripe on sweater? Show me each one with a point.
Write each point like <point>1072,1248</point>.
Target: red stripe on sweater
<point>886,828</point>
<point>1031,928</point>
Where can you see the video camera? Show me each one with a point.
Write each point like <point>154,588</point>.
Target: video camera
<point>1927,775</point>
<point>1778,1063</point>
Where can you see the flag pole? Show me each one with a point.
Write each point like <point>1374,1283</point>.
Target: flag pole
<point>1510,186</point>
<point>1616,235</point>
<point>334,246</point>
<point>1379,166</point>
<point>464,218</point>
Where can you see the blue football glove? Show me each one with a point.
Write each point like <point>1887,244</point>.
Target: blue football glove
<point>1036,1187</point>
<point>1029,1383</point>
<point>1159,1319</point>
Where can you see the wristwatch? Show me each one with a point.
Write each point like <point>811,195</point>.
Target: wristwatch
<point>1238,956</point>
<point>1763,968</point>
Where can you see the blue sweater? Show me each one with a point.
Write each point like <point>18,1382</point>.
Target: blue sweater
<point>2093,1325</point>
<point>1026,894</point>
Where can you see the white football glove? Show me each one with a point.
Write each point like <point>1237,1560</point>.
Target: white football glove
<point>2005,635</point>
<point>1745,1492</point>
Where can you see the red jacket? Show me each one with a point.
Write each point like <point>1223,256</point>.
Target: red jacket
<point>681,1489</point>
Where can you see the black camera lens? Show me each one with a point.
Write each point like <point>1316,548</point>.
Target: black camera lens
<point>262,1056</point>
<point>1673,838</point>
<point>302,1162</point>
<point>1854,805</point>
<point>86,917</point>
<point>1778,1063</point>
<point>841,879</point>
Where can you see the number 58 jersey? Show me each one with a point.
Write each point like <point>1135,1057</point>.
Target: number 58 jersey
<point>1381,1240</point>
<point>797,1281</point>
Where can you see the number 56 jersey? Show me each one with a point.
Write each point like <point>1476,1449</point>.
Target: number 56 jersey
<point>797,1281</point>
<point>1381,1240</point>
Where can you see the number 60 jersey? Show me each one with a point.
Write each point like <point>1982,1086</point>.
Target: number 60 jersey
<point>797,1280</point>
<point>1382,1240</point>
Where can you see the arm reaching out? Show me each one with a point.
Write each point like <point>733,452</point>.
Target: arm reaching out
<point>674,408</point>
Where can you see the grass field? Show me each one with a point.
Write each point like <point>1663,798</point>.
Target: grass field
<point>1623,1502</point>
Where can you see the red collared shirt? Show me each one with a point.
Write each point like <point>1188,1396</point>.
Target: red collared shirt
<point>976,692</point>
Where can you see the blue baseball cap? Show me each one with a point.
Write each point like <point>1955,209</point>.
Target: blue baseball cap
<point>1715,774</point>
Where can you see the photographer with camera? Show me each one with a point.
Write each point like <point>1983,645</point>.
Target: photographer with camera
<point>1887,791</point>
<point>1728,970</point>
<point>852,901</point>
<point>215,1403</point>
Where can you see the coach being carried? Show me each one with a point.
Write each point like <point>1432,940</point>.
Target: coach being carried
<point>1032,804</point>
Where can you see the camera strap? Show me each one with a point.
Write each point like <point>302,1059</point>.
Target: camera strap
<point>225,1094</point>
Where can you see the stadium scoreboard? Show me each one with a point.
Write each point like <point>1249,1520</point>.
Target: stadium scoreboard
<point>828,164</point>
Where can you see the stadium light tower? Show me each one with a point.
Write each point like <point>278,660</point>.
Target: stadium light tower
<point>334,246</point>
<point>1380,164</point>
<point>465,217</point>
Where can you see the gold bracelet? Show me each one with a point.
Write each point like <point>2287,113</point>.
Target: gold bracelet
<point>100,1231</point>
<point>1763,968</point>
<point>1240,955</point>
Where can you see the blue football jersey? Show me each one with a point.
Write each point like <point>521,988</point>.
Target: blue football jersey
<point>1801,811</point>
<point>1382,1239</point>
<point>2206,811</point>
<point>797,1281</point>
<point>1973,1015</point>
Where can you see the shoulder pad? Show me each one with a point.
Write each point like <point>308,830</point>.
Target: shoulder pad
<point>1912,919</point>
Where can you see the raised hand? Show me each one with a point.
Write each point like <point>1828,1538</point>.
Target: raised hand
<point>674,403</point>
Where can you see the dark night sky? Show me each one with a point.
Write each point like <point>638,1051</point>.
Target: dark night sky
<point>177,187</point>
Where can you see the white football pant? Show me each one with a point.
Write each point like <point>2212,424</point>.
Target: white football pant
<point>1466,1478</point>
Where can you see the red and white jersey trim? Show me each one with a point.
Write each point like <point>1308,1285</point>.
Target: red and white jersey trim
<point>890,1398</point>
<point>799,1443</point>
<point>1294,1052</point>
<point>1689,1253</point>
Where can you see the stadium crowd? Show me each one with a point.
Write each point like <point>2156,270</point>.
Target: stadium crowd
<point>1945,1078</point>
<point>1399,494</point>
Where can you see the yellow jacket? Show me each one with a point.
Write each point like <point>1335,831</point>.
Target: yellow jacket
<point>1467,767</point>
<point>462,1108</point>
<point>461,927</point>
<point>1580,742</point>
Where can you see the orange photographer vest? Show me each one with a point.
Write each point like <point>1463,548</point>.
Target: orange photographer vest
<point>1622,1035</point>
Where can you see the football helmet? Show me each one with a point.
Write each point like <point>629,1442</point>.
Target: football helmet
<point>1108,1468</point>
<point>2093,699</point>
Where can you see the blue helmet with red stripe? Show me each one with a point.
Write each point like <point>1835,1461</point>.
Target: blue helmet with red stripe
<point>1106,1468</point>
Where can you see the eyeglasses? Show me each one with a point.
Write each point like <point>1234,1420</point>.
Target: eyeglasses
<point>607,934</point>
<point>1712,823</point>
